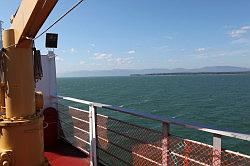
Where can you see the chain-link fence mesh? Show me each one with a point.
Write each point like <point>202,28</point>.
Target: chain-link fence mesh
<point>123,143</point>
<point>230,158</point>
<point>74,126</point>
<point>136,145</point>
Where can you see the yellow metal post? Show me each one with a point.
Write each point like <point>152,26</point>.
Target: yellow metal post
<point>2,84</point>
<point>21,138</point>
<point>2,97</point>
<point>20,94</point>
<point>22,127</point>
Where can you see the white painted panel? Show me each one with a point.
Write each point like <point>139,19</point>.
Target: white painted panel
<point>48,83</point>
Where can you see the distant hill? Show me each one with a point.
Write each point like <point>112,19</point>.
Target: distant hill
<point>127,72</point>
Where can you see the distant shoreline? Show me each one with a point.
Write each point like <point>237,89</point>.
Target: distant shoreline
<point>192,73</point>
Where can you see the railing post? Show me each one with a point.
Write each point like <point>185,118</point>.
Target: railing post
<point>165,144</point>
<point>92,135</point>
<point>216,150</point>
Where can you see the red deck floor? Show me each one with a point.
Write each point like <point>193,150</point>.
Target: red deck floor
<point>63,154</point>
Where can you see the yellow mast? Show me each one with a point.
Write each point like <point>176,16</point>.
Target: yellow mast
<point>2,85</point>
<point>21,139</point>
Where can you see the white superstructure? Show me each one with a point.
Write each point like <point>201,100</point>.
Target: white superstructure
<point>47,85</point>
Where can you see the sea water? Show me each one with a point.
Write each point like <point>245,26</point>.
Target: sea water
<point>221,101</point>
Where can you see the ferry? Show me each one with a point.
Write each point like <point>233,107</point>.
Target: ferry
<point>39,127</point>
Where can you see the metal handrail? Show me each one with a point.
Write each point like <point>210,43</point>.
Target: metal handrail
<point>199,127</point>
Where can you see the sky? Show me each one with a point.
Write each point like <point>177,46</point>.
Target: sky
<point>145,34</point>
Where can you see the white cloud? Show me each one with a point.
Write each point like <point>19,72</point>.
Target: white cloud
<point>237,33</point>
<point>200,49</point>
<point>72,50</point>
<point>69,51</point>
<point>241,41</point>
<point>110,60</point>
<point>63,51</point>
<point>162,47</point>
<point>124,61</point>
<point>92,45</point>
<point>168,37</point>
<point>171,60</point>
<point>82,62</point>
<point>200,52</point>
<point>58,59</point>
<point>237,53</point>
<point>103,56</point>
<point>131,52</point>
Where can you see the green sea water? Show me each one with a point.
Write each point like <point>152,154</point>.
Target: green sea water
<point>221,101</point>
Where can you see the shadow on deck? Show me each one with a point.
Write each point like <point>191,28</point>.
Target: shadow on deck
<point>65,154</point>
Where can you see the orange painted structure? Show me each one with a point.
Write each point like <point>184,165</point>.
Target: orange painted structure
<point>21,139</point>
